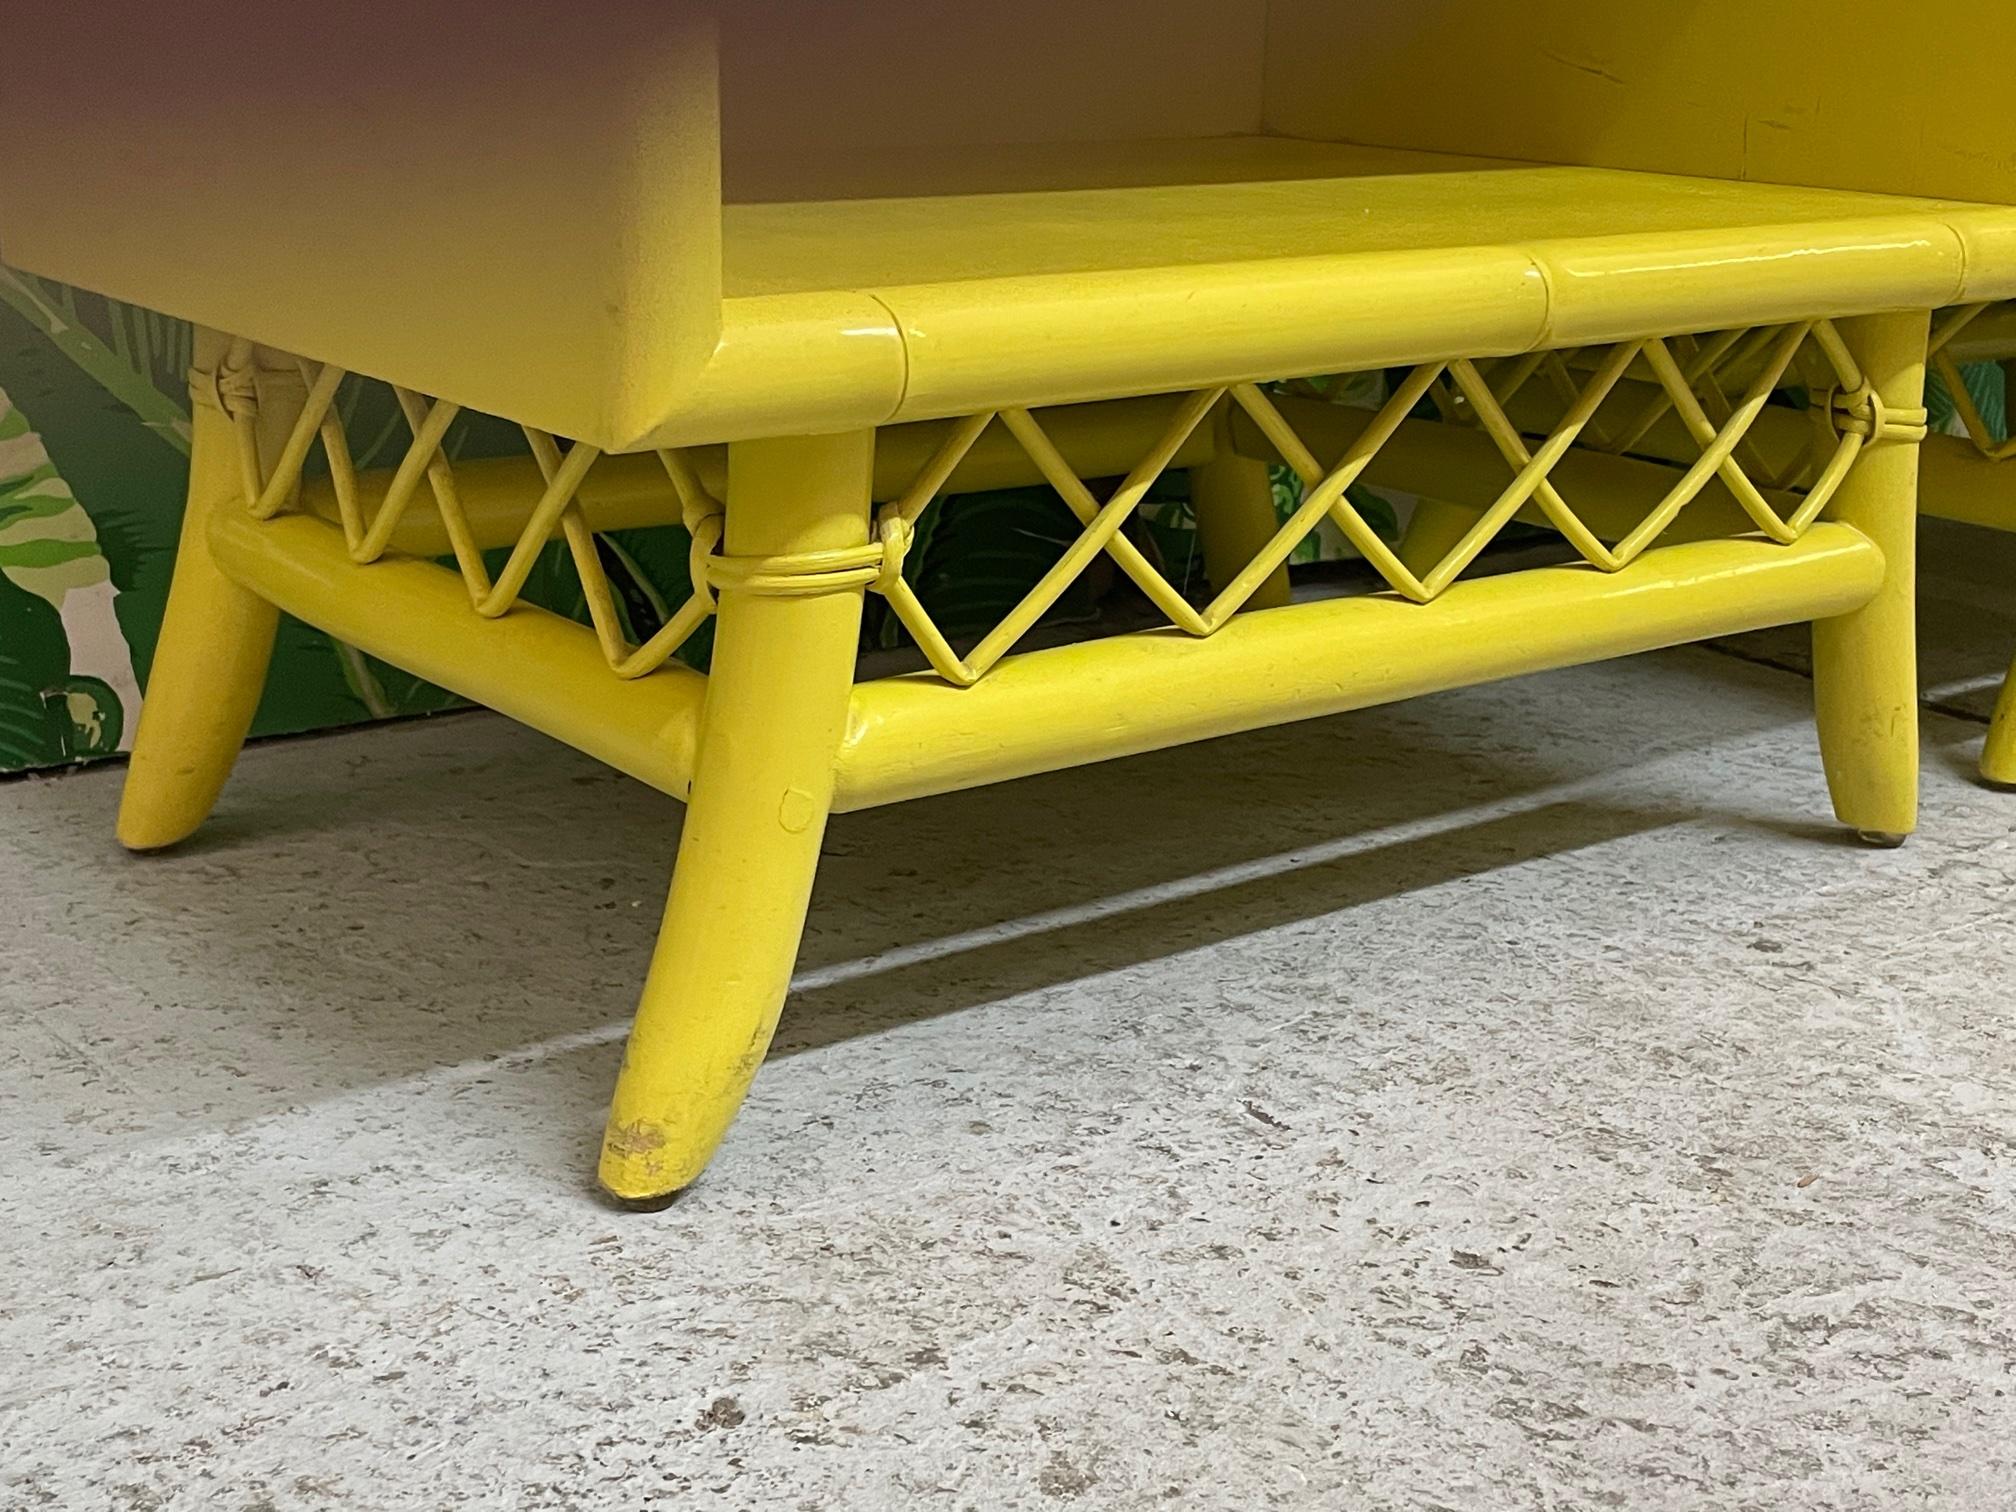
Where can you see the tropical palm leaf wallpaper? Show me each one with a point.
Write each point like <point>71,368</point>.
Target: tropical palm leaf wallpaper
<point>94,446</point>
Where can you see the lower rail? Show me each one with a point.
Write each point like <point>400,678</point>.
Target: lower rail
<point>913,735</point>
<point>537,667</point>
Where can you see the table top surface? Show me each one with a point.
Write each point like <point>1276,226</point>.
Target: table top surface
<point>886,286</point>
<point>945,216</point>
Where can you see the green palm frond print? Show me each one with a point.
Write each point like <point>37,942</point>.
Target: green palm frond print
<point>67,689</point>
<point>141,359</point>
<point>1986,387</point>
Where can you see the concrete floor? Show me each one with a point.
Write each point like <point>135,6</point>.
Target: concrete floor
<point>1514,1099</point>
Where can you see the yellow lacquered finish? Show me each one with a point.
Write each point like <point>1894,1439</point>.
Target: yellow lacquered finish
<point>914,736</point>
<point>1865,682</point>
<point>1120,242</point>
<point>217,636</point>
<point>791,534</point>
<point>1998,751</point>
<point>770,728</point>
<point>787,274</point>
<point>1435,528</point>
<point>531,665</point>
<point>1232,498</point>
<point>1965,478</point>
<point>1970,479</point>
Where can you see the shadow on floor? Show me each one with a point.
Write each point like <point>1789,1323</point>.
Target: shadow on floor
<point>404,903</point>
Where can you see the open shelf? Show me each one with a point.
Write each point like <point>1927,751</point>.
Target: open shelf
<point>899,218</point>
<point>702,222</point>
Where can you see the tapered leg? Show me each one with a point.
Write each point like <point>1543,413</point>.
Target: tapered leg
<point>216,637</point>
<point>1432,533</point>
<point>1232,498</point>
<point>1865,669</point>
<point>1998,752</point>
<point>762,785</point>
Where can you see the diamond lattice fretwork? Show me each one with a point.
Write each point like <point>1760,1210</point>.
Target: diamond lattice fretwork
<point>1979,431</point>
<point>1605,399</point>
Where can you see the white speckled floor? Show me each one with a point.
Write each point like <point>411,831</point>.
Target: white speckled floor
<point>1516,1099</point>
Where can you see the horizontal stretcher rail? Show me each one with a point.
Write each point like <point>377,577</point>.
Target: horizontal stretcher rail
<point>534,666</point>
<point>631,491</point>
<point>912,736</point>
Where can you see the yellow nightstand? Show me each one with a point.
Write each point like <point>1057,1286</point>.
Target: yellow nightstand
<point>790,275</point>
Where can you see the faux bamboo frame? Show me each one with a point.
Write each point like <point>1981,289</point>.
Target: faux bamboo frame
<point>779,734</point>
<point>791,330</point>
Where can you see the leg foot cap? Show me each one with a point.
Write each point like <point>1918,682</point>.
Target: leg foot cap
<point>642,1204</point>
<point>1881,839</point>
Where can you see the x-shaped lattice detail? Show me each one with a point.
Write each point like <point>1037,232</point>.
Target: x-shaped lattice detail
<point>1690,385</point>
<point>1971,419</point>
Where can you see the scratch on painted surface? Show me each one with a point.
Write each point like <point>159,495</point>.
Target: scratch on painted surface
<point>1594,71</point>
